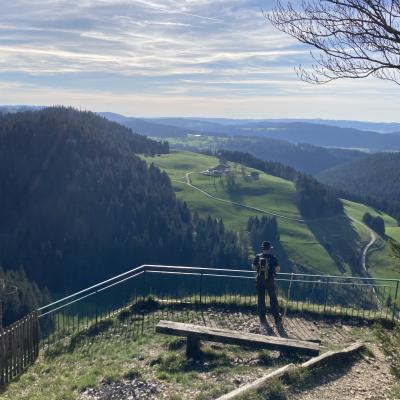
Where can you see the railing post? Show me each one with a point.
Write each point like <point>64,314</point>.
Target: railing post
<point>395,300</point>
<point>326,293</point>
<point>201,288</point>
<point>95,305</point>
<point>145,294</point>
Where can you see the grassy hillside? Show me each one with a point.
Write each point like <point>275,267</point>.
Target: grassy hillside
<point>314,245</point>
<point>393,232</point>
<point>303,157</point>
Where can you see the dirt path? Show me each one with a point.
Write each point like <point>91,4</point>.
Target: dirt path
<point>371,242</point>
<point>189,183</point>
<point>364,255</point>
<point>367,378</point>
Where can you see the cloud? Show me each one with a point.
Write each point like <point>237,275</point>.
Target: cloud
<point>182,48</point>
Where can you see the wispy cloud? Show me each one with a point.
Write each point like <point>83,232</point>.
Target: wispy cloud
<point>171,49</point>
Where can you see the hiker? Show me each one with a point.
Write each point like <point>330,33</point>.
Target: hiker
<point>266,266</point>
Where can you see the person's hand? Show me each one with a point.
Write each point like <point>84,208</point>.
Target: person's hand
<point>277,269</point>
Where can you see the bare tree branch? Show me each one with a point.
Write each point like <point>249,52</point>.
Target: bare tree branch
<point>350,38</point>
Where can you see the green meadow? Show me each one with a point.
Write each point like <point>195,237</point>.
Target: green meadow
<point>311,244</point>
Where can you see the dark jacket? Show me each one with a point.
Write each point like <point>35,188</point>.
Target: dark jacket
<point>270,263</point>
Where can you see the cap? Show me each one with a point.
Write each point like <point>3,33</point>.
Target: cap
<point>266,245</point>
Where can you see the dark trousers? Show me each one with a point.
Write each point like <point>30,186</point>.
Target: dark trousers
<point>266,286</point>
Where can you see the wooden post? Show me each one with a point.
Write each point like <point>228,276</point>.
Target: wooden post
<point>19,347</point>
<point>193,347</point>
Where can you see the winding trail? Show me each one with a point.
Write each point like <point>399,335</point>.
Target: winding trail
<point>364,255</point>
<point>365,251</point>
<point>189,183</point>
<point>371,242</point>
<point>366,248</point>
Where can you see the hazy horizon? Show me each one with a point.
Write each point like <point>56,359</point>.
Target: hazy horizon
<point>222,117</point>
<point>146,58</point>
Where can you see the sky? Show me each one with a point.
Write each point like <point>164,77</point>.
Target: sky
<point>151,58</point>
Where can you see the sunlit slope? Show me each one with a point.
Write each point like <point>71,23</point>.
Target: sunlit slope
<point>311,244</point>
<point>394,233</point>
<point>380,260</point>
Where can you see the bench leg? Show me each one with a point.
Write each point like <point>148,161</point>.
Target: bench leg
<point>193,349</point>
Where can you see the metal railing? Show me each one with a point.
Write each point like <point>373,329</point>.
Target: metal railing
<point>142,289</point>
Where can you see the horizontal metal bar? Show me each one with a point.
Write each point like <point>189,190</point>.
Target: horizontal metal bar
<point>89,288</point>
<point>322,282</point>
<point>68,304</point>
<point>196,269</point>
<point>332,283</point>
<point>88,295</point>
<point>197,274</point>
<point>249,271</point>
<point>340,277</point>
<point>122,280</point>
<point>218,272</point>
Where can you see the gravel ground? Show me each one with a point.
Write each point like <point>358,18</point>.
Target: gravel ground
<point>125,389</point>
<point>369,378</point>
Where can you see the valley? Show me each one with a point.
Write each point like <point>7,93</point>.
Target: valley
<point>311,245</point>
<point>199,200</point>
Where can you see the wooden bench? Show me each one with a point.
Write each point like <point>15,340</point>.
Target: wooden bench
<point>196,333</point>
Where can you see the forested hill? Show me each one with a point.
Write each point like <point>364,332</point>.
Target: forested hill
<point>147,128</point>
<point>78,205</point>
<point>66,125</point>
<point>303,157</point>
<point>375,178</point>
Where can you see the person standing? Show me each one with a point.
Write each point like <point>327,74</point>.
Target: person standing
<point>266,265</point>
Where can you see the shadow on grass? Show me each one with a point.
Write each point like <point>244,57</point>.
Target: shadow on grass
<point>340,239</point>
<point>177,362</point>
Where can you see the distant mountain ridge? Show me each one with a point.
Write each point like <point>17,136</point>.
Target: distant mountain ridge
<point>379,127</point>
<point>295,131</point>
<point>146,127</point>
<point>322,133</point>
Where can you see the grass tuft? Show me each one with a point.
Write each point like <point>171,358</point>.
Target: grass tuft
<point>132,374</point>
<point>265,357</point>
<point>177,344</point>
<point>274,390</point>
<point>297,377</point>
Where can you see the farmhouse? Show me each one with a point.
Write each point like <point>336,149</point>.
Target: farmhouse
<point>255,175</point>
<point>219,170</point>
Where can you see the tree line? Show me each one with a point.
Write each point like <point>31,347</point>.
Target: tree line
<point>376,223</point>
<point>18,295</point>
<point>264,228</point>
<point>78,205</point>
<point>372,180</point>
<point>313,199</point>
